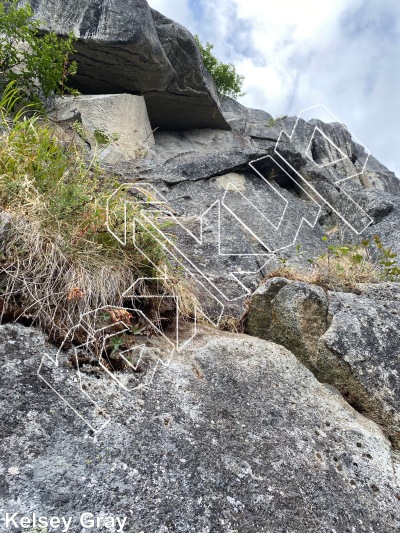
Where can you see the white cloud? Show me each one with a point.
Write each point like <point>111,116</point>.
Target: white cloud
<point>177,10</point>
<point>295,54</point>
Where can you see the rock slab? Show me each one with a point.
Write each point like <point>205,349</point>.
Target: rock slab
<point>236,435</point>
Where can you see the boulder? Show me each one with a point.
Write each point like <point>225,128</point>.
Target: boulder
<point>116,127</point>
<point>125,47</point>
<point>291,313</point>
<point>234,435</point>
<point>351,341</point>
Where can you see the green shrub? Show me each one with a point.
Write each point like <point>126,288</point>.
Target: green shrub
<point>40,65</point>
<point>368,261</point>
<point>388,260</point>
<point>228,82</point>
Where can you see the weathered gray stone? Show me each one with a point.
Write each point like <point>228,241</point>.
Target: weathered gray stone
<point>291,199</point>
<point>253,123</point>
<point>196,155</point>
<point>293,314</point>
<point>115,126</point>
<point>350,341</point>
<point>125,47</point>
<point>236,435</point>
<point>258,320</point>
<point>283,199</point>
<point>388,227</point>
<point>380,291</point>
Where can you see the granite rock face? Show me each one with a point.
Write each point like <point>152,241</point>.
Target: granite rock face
<point>350,341</point>
<point>294,431</point>
<point>125,47</point>
<point>235,435</point>
<point>256,192</point>
<point>244,188</point>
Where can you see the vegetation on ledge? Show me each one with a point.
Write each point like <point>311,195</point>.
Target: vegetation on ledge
<point>58,260</point>
<point>343,266</point>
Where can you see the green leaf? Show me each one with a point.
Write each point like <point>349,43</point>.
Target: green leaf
<point>357,258</point>
<point>116,343</point>
<point>137,329</point>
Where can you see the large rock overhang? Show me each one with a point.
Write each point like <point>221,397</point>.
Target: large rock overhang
<point>126,47</point>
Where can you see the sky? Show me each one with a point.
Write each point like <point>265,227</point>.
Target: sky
<point>295,54</point>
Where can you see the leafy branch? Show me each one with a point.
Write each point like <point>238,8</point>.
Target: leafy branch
<point>40,65</point>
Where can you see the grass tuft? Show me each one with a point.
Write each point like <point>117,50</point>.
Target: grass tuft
<point>343,267</point>
<point>57,258</point>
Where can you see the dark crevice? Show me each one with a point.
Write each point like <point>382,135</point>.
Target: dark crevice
<point>240,169</point>
<point>257,138</point>
<point>285,179</point>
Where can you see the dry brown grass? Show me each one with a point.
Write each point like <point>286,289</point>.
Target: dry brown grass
<point>51,288</point>
<point>336,271</point>
<point>57,259</point>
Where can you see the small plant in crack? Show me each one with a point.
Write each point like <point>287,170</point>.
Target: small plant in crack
<point>274,121</point>
<point>116,343</point>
